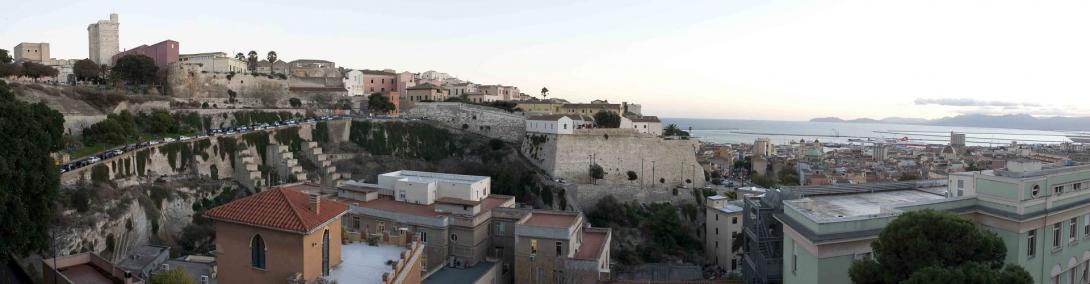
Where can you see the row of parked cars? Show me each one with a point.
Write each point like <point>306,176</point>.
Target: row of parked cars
<point>90,160</point>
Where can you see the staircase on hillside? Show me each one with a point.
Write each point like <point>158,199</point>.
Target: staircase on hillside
<point>286,166</point>
<point>330,178</point>
<point>246,171</point>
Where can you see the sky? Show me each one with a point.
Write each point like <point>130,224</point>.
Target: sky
<point>740,59</point>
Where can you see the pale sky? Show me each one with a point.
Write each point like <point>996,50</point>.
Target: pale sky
<point>746,59</point>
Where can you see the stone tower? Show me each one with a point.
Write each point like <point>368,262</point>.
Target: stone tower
<point>103,40</point>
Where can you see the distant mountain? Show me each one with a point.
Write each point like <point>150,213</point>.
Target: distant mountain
<point>1013,121</point>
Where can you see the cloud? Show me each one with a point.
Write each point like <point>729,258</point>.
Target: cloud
<point>963,102</point>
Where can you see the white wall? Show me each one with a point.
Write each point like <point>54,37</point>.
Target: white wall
<point>564,125</point>
<point>415,191</point>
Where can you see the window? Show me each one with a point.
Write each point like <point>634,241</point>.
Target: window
<point>961,183</point>
<point>1086,227</point>
<point>356,222</point>
<point>1056,231</point>
<point>716,231</point>
<point>734,220</point>
<point>1036,190</point>
<point>257,252</point>
<point>1031,243</point>
<point>381,227</point>
<point>1074,229</point>
<point>533,246</point>
<point>716,244</point>
<point>1076,186</point>
<point>423,237</point>
<point>1058,189</point>
<point>794,257</point>
<point>717,216</point>
<point>453,237</point>
<point>559,248</point>
<point>499,228</point>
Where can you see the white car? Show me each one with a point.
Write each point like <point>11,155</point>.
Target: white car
<point>184,138</point>
<point>168,140</point>
<point>153,142</point>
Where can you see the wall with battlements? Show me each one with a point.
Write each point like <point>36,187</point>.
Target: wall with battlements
<point>487,121</point>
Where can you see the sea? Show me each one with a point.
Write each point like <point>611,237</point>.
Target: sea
<point>783,132</point>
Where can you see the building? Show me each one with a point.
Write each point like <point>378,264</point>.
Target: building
<point>215,62</point>
<point>353,82</point>
<point>557,123</point>
<point>957,140</point>
<point>278,67</point>
<point>1041,212</point>
<point>591,109</point>
<point>646,124</point>
<point>375,81</point>
<point>143,260</point>
<point>163,53</point>
<point>280,234</point>
<point>404,81</point>
<point>499,92</point>
<point>539,107</point>
<point>466,89</point>
<point>37,52</point>
<point>425,92</point>
<point>202,269</point>
<point>84,268</point>
<point>387,264</point>
<point>313,68</point>
<point>763,257</point>
<point>470,233</point>
<point>103,41</point>
<point>762,147</point>
<point>722,227</point>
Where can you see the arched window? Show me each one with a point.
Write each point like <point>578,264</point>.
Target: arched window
<point>325,253</point>
<point>257,252</point>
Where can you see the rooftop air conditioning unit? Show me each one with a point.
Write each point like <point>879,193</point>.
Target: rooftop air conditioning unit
<point>204,279</point>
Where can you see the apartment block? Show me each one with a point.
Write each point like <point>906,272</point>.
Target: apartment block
<point>1040,211</point>
<point>721,230</point>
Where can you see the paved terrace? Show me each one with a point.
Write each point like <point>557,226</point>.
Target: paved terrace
<point>833,207</point>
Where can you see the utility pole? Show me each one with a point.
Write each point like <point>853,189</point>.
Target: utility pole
<point>652,174</point>
<point>641,172</point>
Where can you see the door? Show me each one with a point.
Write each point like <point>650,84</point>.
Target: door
<point>325,253</point>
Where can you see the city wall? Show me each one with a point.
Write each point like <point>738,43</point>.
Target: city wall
<point>656,162</point>
<point>487,121</point>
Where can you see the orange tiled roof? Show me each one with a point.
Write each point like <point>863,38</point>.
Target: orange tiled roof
<point>280,208</point>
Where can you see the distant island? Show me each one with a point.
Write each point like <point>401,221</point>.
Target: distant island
<point>1013,121</point>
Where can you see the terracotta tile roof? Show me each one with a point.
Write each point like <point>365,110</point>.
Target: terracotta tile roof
<point>280,208</point>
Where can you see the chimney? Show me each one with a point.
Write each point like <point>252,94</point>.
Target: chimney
<point>315,199</point>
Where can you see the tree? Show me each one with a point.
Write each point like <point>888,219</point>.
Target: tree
<point>597,172</point>
<point>674,130</point>
<point>28,176</point>
<point>251,60</point>
<point>295,102</point>
<point>5,58</point>
<point>86,70</point>
<point>378,103</point>
<point>271,57</point>
<point>544,92</point>
<point>135,69</point>
<point>9,69</point>
<point>907,176</point>
<point>607,119</point>
<point>763,180</point>
<point>35,70</point>
<point>174,275</point>
<point>926,246</point>
<point>240,56</point>
<point>632,175</point>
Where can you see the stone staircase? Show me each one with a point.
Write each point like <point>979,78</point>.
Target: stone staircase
<point>283,160</point>
<point>330,178</point>
<point>246,171</point>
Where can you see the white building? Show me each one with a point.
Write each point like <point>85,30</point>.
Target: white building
<point>353,82</point>
<point>724,222</point>
<point>646,124</point>
<point>214,62</point>
<point>557,123</point>
<point>103,40</point>
<point>427,187</point>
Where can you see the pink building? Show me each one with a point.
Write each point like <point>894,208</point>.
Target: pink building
<point>164,53</point>
<point>379,81</point>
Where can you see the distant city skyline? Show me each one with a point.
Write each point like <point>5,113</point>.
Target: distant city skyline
<point>777,60</point>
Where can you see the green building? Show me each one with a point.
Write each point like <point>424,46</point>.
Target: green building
<point>1042,213</point>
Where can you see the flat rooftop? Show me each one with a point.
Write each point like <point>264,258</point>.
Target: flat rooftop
<point>430,176</point>
<point>553,220</point>
<point>362,263</point>
<point>838,206</point>
<point>387,203</point>
<point>592,245</point>
<point>455,275</point>
<point>87,274</point>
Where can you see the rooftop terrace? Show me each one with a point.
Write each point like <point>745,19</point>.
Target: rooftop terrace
<point>839,206</point>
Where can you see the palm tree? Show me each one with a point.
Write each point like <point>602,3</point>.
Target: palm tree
<point>272,58</point>
<point>544,92</point>
<point>240,56</point>
<point>252,60</point>
<point>671,130</point>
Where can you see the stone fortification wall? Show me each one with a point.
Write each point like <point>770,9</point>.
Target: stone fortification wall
<point>191,83</point>
<point>487,121</point>
<point>656,162</point>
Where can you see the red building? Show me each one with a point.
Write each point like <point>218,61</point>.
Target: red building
<point>164,53</point>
